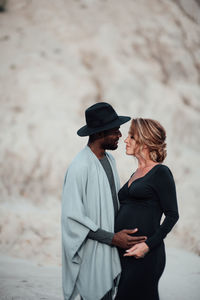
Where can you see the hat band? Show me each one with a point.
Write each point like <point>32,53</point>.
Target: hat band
<point>100,123</point>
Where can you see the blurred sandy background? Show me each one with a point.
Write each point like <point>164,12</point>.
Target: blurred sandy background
<point>59,57</point>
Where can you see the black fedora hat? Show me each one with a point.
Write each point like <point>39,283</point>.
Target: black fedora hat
<point>99,117</point>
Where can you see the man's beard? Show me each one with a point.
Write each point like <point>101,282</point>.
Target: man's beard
<point>110,146</point>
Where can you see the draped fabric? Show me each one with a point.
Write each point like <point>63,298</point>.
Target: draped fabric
<point>88,267</point>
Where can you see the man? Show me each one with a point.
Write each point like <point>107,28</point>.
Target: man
<point>91,265</point>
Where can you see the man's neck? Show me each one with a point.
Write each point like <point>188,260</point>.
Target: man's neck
<point>99,152</point>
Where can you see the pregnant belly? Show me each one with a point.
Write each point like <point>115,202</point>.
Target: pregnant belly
<point>135,216</point>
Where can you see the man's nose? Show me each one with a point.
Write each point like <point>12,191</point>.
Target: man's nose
<point>119,134</point>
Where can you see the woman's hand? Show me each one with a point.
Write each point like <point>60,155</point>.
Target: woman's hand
<point>138,251</point>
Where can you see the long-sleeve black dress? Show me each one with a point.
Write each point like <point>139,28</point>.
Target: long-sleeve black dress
<point>141,206</point>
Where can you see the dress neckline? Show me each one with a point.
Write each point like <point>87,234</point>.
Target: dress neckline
<point>142,176</point>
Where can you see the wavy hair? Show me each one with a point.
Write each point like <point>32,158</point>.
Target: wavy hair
<point>152,134</point>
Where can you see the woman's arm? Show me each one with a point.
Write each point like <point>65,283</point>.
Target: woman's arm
<point>165,189</point>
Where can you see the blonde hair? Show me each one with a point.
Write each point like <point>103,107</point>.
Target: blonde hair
<point>152,134</point>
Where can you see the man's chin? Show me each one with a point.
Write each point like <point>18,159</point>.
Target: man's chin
<point>113,147</point>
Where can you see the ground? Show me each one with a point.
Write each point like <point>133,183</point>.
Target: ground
<point>24,280</point>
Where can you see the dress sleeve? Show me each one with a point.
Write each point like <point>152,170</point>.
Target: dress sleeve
<point>165,189</point>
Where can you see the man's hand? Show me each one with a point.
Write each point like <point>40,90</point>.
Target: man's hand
<point>123,239</point>
<point>138,251</point>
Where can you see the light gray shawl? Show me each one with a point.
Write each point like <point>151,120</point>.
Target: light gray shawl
<point>88,267</point>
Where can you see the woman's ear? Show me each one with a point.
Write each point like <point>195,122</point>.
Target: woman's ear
<point>144,146</point>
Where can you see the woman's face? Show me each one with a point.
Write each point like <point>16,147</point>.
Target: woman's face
<point>131,145</point>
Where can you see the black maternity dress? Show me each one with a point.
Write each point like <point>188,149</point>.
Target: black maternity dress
<point>141,206</point>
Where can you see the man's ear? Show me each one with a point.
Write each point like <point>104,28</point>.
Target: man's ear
<point>100,134</point>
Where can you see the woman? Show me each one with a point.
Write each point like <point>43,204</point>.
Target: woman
<point>148,194</point>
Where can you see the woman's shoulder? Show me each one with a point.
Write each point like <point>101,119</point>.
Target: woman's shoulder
<point>163,178</point>
<point>163,169</point>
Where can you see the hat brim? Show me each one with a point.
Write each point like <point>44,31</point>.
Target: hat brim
<point>86,130</point>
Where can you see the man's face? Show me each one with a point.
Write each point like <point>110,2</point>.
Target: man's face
<point>111,138</point>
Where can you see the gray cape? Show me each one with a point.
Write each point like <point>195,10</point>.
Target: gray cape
<point>88,267</point>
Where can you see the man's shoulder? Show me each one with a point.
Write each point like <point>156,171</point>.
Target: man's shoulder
<point>81,160</point>
<point>77,169</point>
